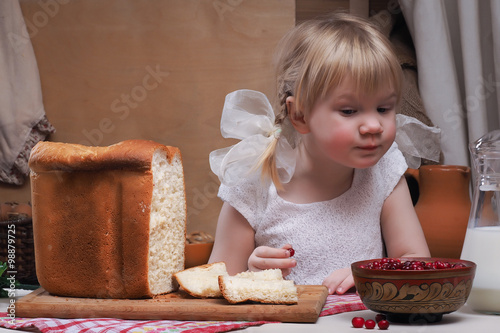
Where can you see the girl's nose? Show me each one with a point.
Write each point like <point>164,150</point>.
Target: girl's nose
<point>371,125</point>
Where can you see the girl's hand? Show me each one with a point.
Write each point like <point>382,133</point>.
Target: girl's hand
<point>265,257</point>
<point>339,281</point>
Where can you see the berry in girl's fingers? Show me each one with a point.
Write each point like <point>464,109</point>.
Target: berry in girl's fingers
<point>370,324</point>
<point>292,252</point>
<point>358,322</point>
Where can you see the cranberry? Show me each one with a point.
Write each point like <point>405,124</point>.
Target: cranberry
<point>380,317</point>
<point>358,322</point>
<point>439,264</point>
<point>412,265</point>
<point>383,324</point>
<point>292,252</point>
<point>416,263</point>
<point>370,324</point>
<point>430,265</point>
<point>396,265</point>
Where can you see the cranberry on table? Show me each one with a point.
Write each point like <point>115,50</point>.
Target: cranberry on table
<point>370,324</point>
<point>383,324</point>
<point>358,322</point>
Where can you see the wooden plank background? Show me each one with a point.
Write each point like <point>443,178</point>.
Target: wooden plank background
<point>158,69</point>
<point>154,69</point>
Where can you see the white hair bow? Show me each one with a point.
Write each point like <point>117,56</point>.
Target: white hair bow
<point>417,141</point>
<point>248,116</point>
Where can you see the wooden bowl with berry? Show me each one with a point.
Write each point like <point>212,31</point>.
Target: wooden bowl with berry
<point>413,290</point>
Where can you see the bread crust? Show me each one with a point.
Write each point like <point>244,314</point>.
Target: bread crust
<point>129,154</point>
<point>91,211</point>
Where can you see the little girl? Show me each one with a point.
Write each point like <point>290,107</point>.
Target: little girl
<point>331,182</point>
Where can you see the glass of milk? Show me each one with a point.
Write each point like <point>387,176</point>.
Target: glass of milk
<point>482,240</point>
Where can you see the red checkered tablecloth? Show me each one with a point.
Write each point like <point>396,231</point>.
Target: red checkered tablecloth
<point>342,303</point>
<point>334,304</point>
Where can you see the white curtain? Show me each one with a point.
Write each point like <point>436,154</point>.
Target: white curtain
<point>458,55</point>
<point>22,115</point>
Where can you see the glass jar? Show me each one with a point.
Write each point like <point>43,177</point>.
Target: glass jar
<point>482,240</point>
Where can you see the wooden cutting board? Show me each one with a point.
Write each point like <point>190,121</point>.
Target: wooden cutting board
<point>174,306</point>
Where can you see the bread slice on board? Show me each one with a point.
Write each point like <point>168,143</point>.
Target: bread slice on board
<point>202,281</point>
<point>266,286</point>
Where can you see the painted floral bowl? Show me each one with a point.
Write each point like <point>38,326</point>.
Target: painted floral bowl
<point>403,292</point>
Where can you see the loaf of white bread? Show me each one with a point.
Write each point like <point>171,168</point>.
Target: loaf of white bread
<point>212,280</point>
<point>108,222</point>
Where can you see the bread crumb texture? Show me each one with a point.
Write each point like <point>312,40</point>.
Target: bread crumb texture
<point>167,233</point>
<point>266,286</point>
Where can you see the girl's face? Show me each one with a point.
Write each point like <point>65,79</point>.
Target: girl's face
<point>352,128</point>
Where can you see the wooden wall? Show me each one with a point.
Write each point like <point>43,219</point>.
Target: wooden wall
<point>152,69</point>
<point>157,69</point>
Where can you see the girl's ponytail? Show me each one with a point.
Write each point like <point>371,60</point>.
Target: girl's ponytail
<point>267,160</point>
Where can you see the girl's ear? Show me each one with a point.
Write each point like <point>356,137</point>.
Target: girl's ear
<point>296,117</point>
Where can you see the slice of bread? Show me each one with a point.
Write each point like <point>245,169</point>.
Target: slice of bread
<point>266,286</point>
<point>202,281</point>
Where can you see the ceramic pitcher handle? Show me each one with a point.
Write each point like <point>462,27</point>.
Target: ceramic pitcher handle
<point>413,173</point>
<point>413,180</point>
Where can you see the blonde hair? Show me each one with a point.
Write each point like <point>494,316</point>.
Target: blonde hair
<point>317,55</point>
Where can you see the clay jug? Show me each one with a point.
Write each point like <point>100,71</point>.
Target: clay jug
<point>443,206</point>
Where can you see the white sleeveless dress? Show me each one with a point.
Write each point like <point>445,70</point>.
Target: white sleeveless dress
<point>326,235</point>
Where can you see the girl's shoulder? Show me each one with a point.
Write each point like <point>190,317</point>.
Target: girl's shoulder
<point>393,161</point>
<point>251,186</point>
<point>249,196</point>
<point>385,175</point>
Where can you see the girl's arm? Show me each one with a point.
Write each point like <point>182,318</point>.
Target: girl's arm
<point>402,234</point>
<point>235,245</point>
<point>234,240</point>
<point>401,228</point>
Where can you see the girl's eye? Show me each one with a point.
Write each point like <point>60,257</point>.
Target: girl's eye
<point>348,112</point>
<point>383,109</point>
